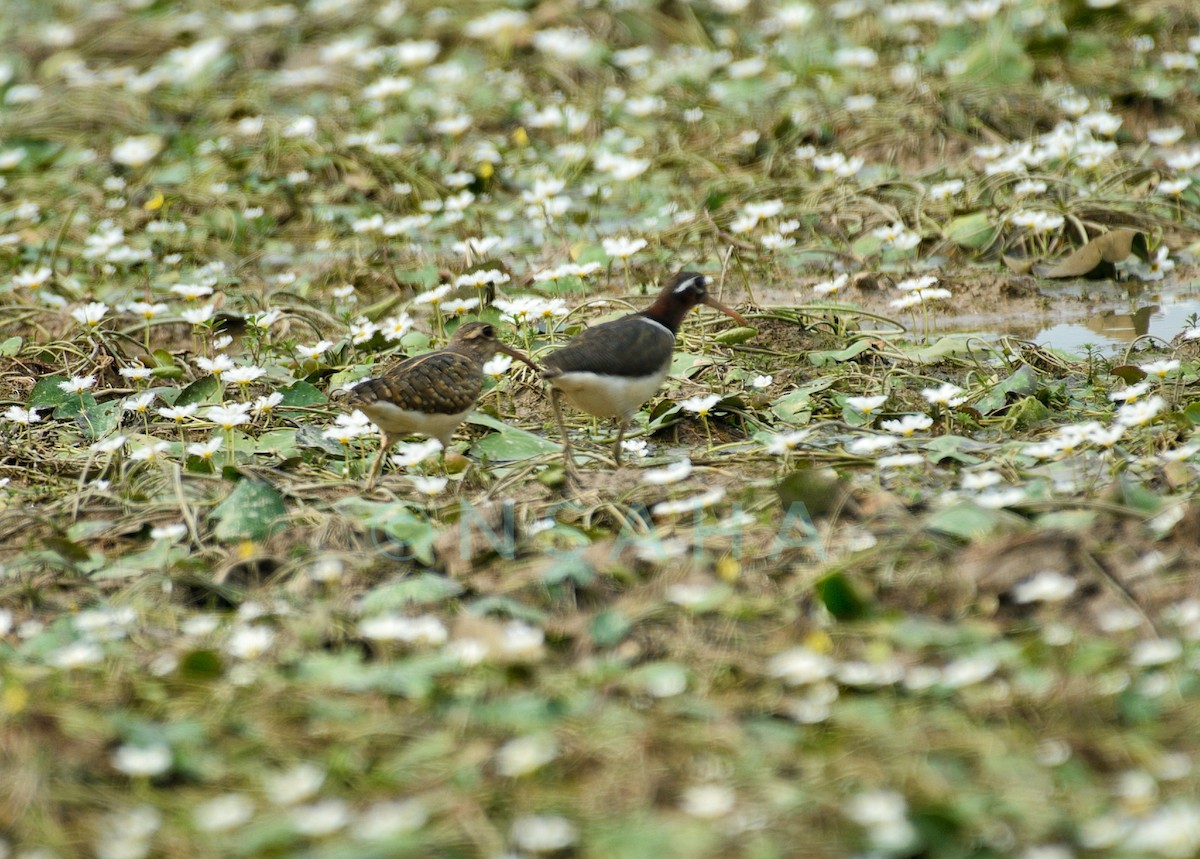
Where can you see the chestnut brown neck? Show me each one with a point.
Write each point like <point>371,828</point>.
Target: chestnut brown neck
<point>669,309</point>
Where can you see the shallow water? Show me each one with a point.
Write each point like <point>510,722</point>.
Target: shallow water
<point>1115,320</point>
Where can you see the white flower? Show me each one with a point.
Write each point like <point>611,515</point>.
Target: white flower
<point>866,405</point>
<point>179,413</point>
<point>295,785</point>
<point>524,755</point>
<point>228,417</point>
<point>135,372</point>
<point>785,442</point>
<point>150,452</point>
<point>829,287</point>
<point>429,485</point>
<point>250,642</point>
<point>622,247</point>
<point>762,382</point>
<point>316,350</point>
<point>687,505</point>
<point>433,296</point>
<point>205,450</point>
<point>799,666</point>
<point>172,533</point>
<point>110,445</point>
<point>543,833</point>
<point>244,375</point>
<point>138,150</point>
<point>708,801</point>
<point>90,314</point>
<point>673,473</point>
<point>870,444</point>
<point>76,654</point>
<point>700,405</point>
<point>21,416</point>
<point>945,394</point>
<point>216,365</point>
<point>142,760</point>
<point>223,813</point>
<point>1131,393</point>
<point>140,403</point>
<point>1155,651</point>
<point>908,424</point>
<point>1138,414</point>
<point>497,366</point>
<point>320,818</point>
<point>425,629</point>
<point>145,309</point>
<point>414,453</point>
<point>77,384</point>
<point>1046,586</point>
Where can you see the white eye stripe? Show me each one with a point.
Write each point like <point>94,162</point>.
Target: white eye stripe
<point>687,284</point>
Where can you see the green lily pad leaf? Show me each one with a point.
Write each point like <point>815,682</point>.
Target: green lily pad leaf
<point>1137,496</point>
<point>1026,412</point>
<point>686,365</point>
<point>1192,412</point>
<point>302,394</point>
<point>609,628</point>
<point>952,447</point>
<point>966,520</point>
<point>100,419</point>
<point>250,512</point>
<point>508,607</point>
<point>999,61</point>
<point>570,566</point>
<point>204,390</point>
<point>393,528</point>
<point>1129,373</point>
<point>508,443</point>
<point>1023,382</point>
<point>421,589</point>
<point>200,665</point>
<point>412,677</point>
<point>280,442</point>
<point>838,356</point>
<point>838,595</point>
<point>157,557</point>
<point>973,231</point>
<point>796,406</point>
<point>660,679</point>
<point>311,436</point>
<point>11,347</point>
<point>736,335</point>
<point>47,394</point>
<point>820,490</point>
<point>950,346</point>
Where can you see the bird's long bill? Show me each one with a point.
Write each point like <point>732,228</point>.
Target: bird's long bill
<point>728,311</point>
<point>520,356</point>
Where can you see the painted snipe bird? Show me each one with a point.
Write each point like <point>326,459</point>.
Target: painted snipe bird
<point>429,394</point>
<point>610,369</point>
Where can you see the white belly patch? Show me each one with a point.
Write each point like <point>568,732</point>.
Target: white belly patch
<point>608,396</point>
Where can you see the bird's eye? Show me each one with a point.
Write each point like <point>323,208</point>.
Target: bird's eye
<point>489,331</point>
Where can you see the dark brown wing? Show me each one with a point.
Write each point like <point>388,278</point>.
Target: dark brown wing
<point>629,346</point>
<point>439,383</point>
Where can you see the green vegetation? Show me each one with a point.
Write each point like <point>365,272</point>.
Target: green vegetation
<point>873,584</point>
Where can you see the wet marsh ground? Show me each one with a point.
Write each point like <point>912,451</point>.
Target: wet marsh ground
<point>888,573</point>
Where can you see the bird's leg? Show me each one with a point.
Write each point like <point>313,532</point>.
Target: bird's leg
<point>568,460</point>
<point>622,423</point>
<point>377,466</point>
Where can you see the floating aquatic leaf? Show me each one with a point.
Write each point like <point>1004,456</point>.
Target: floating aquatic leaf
<point>250,512</point>
<point>1098,258</point>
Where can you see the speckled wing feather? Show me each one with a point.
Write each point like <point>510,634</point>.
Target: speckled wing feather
<point>439,383</point>
<point>632,346</point>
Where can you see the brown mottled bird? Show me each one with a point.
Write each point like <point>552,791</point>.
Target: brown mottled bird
<point>609,370</point>
<point>429,394</point>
